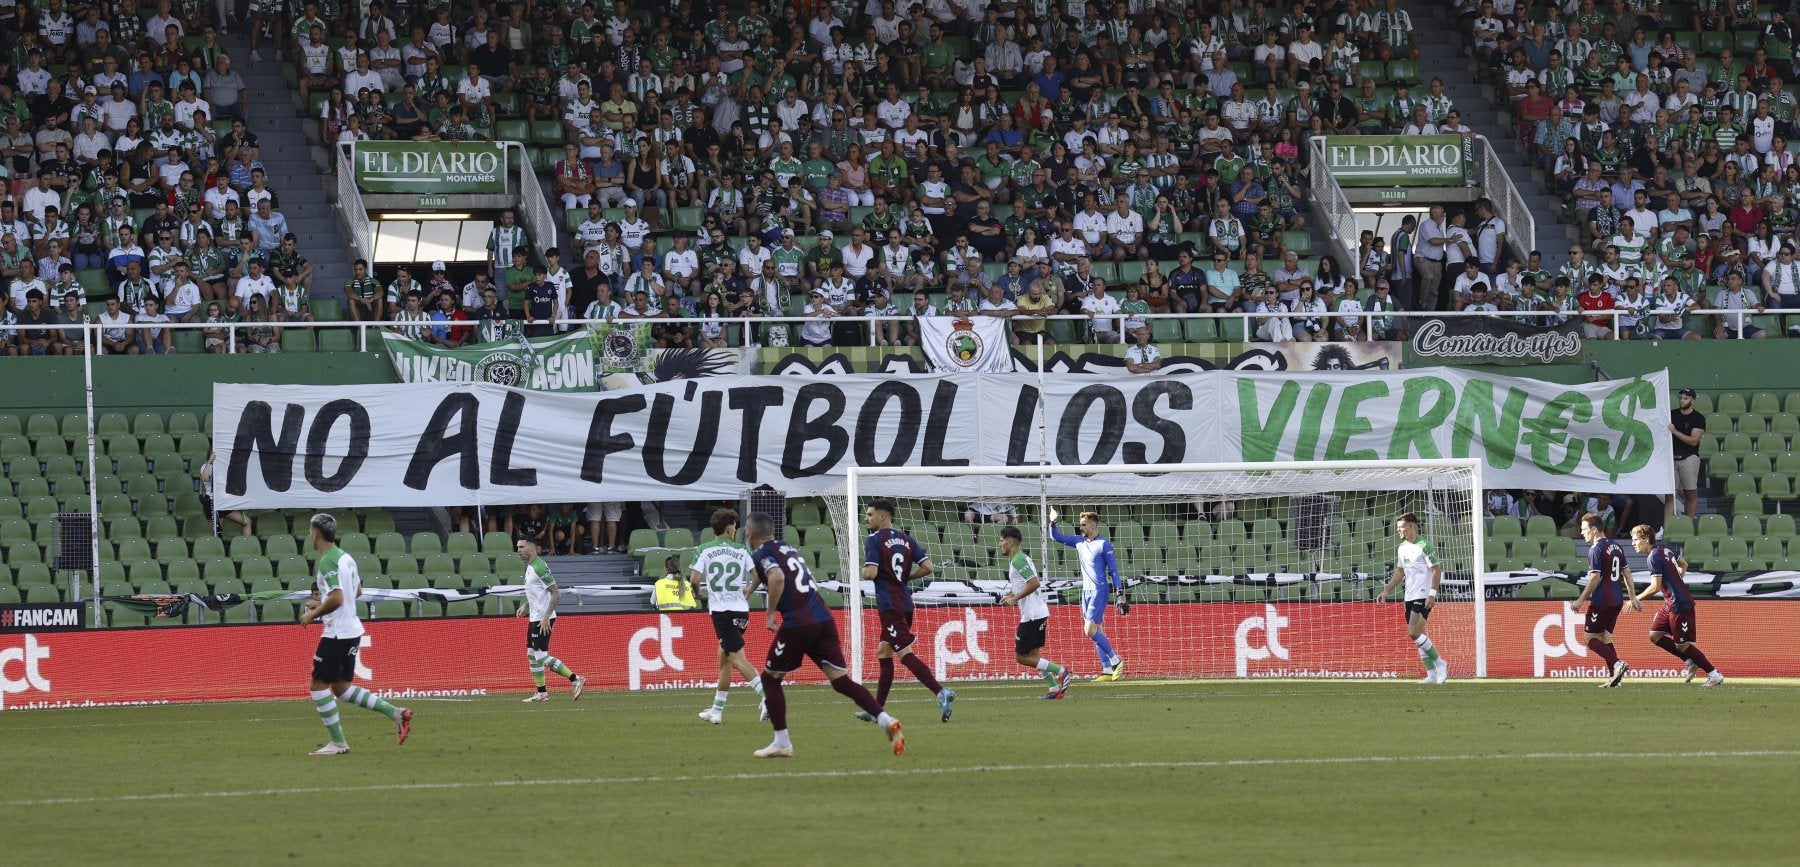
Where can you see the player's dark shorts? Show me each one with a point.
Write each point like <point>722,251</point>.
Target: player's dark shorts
<point>795,643</point>
<point>335,660</point>
<point>537,641</point>
<point>1678,624</point>
<point>1030,635</point>
<point>1417,606</point>
<point>896,629</point>
<point>729,626</point>
<point>1602,618</point>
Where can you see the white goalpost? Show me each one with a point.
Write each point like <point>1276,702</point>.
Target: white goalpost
<point>1231,569</point>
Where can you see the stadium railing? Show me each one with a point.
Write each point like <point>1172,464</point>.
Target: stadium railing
<point>1367,322</point>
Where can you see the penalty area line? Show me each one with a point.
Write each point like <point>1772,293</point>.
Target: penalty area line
<point>1198,764</point>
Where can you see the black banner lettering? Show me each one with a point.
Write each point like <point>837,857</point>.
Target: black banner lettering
<point>1143,410</point>
<point>903,424</point>
<point>435,444</point>
<point>504,474</point>
<point>601,440</point>
<point>753,402</point>
<point>702,435</point>
<point>1074,429</point>
<point>804,428</point>
<point>318,438</point>
<point>254,436</point>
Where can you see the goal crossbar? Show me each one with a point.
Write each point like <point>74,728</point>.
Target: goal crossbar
<point>1041,477</point>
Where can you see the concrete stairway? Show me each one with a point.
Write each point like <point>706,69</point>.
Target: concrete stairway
<point>295,166</point>
<point>1441,45</point>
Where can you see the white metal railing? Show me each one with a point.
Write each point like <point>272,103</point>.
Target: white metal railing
<point>1328,197</point>
<point>1509,203</point>
<point>534,211</point>
<point>1366,322</point>
<point>351,213</point>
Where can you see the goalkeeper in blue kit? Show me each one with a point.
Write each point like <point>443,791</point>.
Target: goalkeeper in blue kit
<point>1099,580</point>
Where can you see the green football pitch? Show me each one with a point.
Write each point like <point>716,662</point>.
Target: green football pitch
<point>1165,773</point>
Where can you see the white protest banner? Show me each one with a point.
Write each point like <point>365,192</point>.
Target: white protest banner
<point>426,444</point>
<point>954,344</point>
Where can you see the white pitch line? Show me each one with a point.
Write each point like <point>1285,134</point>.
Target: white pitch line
<point>971,691</point>
<point>910,772</point>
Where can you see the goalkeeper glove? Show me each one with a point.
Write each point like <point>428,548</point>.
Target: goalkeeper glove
<point>1124,607</point>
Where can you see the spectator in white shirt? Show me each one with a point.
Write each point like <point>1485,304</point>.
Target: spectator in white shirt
<point>1102,311</point>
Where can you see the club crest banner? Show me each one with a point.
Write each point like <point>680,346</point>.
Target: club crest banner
<point>977,344</point>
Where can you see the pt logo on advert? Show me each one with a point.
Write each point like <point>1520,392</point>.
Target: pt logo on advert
<point>1565,644</point>
<point>664,633</point>
<point>1270,624</point>
<point>364,672</point>
<point>970,628</point>
<point>30,676</point>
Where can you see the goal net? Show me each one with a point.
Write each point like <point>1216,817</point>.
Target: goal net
<point>1230,570</point>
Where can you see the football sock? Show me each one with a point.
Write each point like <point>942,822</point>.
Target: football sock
<point>1104,647</point>
<point>886,682</point>
<point>781,739</point>
<point>777,701</point>
<point>1427,651</point>
<point>326,704</point>
<point>537,668</point>
<point>1695,656</point>
<point>856,692</point>
<point>363,698</point>
<point>921,671</point>
<point>1668,644</point>
<point>1605,651</point>
<point>884,720</point>
<point>756,684</point>
<point>551,663</point>
<point>1050,670</point>
<point>719,699</point>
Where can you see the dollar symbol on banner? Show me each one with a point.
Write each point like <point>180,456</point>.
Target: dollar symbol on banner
<point>1635,439</point>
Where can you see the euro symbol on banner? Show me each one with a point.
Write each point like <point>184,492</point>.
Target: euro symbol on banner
<point>1271,624</point>
<point>1542,649</point>
<point>28,658</point>
<point>970,628</point>
<point>664,633</point>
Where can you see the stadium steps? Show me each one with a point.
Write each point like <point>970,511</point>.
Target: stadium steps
<point>294,170</point>
<point>1441,43</point>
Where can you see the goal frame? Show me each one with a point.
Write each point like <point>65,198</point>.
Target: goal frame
<point>855,475</point>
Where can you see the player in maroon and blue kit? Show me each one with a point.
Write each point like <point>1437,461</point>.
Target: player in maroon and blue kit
<point>1609,589</point>
<point>806,630</point>
<point>1674,628</point>
<point>891,558</point>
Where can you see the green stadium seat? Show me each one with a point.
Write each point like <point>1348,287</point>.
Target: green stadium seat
<point>641,540</point>
<point>299,340</point>
<point>1776,486</point>
<point>1746,504</point>
<point>147,423</point>
<point>389,545</point>
<point>461,543</point>
<point>495,543</point>
<point>10,426</point>
<point>292,569</point>
<point>112,424</point>
<point>474,564</point>
<point>1779,527</point>
<point>426,543</point>
<point>41,425</point>
<point>337,340</point>
<point>326,310</point>
<point>1680,528</point>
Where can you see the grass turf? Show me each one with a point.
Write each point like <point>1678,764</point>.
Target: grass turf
<point>1172,772</point>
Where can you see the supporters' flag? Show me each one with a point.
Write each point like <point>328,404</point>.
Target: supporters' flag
<point>954,344</point>
<point>169,606</point>
<point>561,362</point>
<point>623,347</point>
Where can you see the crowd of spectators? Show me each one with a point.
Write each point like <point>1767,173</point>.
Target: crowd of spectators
<point>135,189</point>
<point>891,158</point>
<point>1665,128</point>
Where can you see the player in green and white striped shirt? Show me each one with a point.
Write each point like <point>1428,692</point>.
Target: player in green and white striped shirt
<point>335,588</point>
<point>720,573</point>
<point>1027,592</point>
<point>541,594</point>
<point>1418,567</point>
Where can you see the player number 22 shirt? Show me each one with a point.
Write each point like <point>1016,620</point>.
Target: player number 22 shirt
<point>724,568</point>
